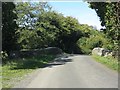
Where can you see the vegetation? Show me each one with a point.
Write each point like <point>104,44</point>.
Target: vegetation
<point>109,17</point>
<point>93,38</point>
<point>108,61</point>
<point>53,29</point>
<point>9,27</point>
<point>15,70</point>
<point>38,26</point>
<point>46,28</point>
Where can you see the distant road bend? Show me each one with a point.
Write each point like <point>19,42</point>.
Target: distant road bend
<point>80,72</point>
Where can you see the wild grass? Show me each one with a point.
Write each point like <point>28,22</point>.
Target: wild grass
<point>108,61</point>
<point>13,71</point>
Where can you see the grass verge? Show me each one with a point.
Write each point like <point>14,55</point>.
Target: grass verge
<point>108,61</point>
<point>13,71</point>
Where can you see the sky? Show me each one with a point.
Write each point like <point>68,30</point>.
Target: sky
<point>79,10</point>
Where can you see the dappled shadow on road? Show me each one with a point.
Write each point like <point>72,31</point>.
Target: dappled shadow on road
<point>59,61</point>
<point>41,62</point>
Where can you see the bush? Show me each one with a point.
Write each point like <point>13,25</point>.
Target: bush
<point>96,39</point>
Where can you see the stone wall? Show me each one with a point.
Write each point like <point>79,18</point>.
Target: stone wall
<point>102,52</point>
<point>28,53</point>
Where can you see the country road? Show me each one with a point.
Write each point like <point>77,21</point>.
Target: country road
<point>79,71</point>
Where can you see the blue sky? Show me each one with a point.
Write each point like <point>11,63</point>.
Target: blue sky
<point>79,10</point>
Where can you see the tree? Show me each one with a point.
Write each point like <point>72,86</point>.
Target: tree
<point>65,30</point>
<point>28,12</point>
<point>100,8</point>
<point>9,27</point>
<point>112,23</point>
<point>29,33</point>
<point>52,29</point>
<point>109,16</point>
<point>68,35</point>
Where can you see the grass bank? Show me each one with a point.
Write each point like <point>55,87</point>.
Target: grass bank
<point>108,61</point>
<point>13,71</point>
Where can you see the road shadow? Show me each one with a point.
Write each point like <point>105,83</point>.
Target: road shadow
<point>59,61</point>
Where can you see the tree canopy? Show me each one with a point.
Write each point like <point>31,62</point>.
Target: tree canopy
<point>9,27</point>
<point>109,17</point>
